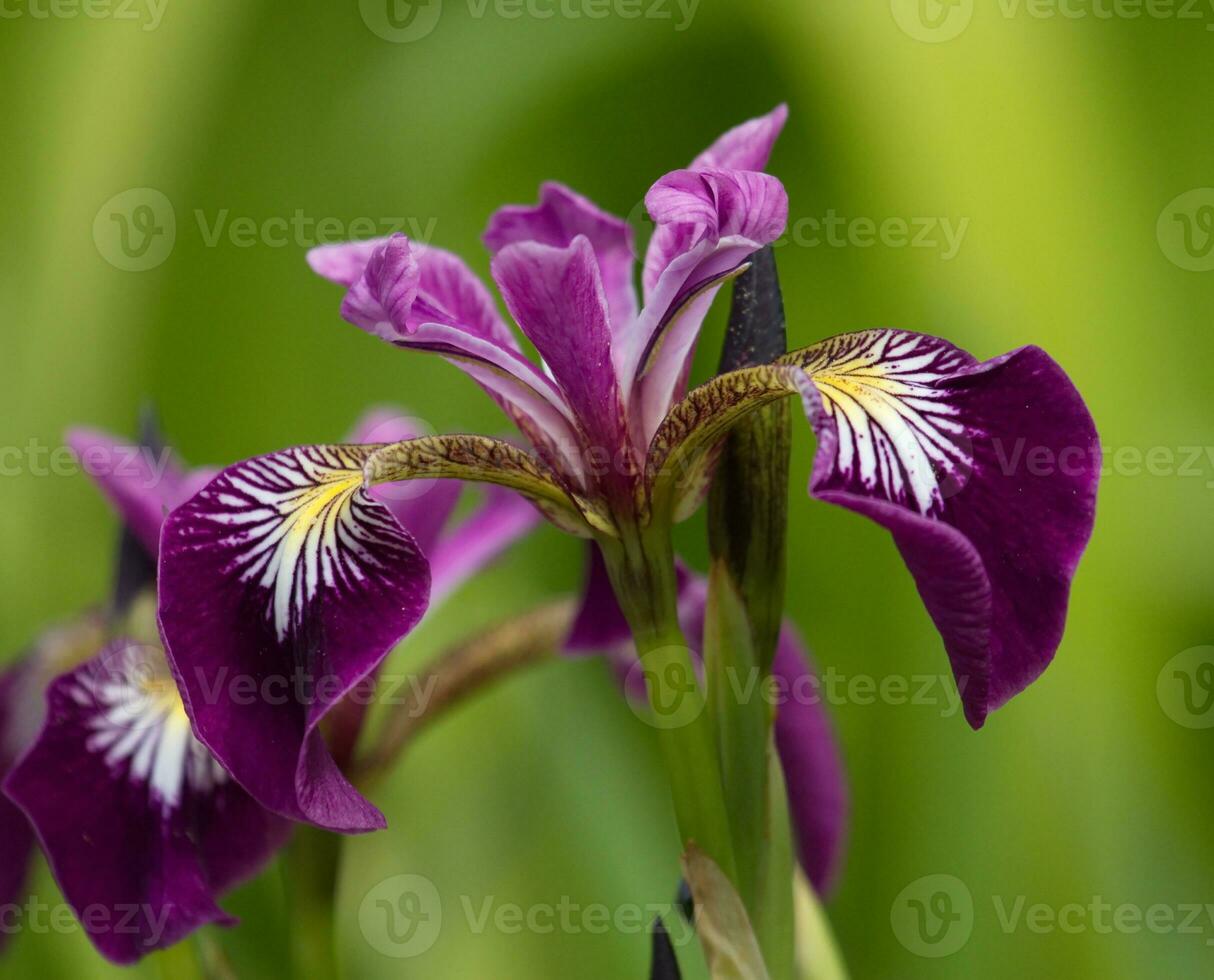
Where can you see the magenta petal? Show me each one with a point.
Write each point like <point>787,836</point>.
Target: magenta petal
<point>745,147</point>
<point>691,206</point>
<point>985,474</point>
<point>284,578</point>
<point>556,296</point>
<point>381,300</point>
<point>16,834</point>
<point>166,830</point>
<point>345,262</point>
<point>141,484</point>
<point>557,220</point>
<point>711,222</point>
<point>502,519</point>
<point>599,624</point>
<point>812,764</point>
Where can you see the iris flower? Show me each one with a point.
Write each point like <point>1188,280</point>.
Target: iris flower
<point>289,559</point>
<point>143,825</point>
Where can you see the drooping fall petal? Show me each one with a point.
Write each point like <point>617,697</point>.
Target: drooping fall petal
<point>561,215</point>
<point>945,452</point>
<point>167,831</point>
<point>285,578</point>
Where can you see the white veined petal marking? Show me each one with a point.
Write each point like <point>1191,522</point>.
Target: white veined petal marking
<point>898,433</point>
<point>137,722</point>
<point>301,521</point>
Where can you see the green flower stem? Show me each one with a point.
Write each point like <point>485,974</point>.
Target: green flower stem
<point>641,565</point>
<point>311,866</point>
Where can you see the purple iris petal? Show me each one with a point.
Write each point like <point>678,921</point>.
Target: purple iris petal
<point>282,585</point>
<point>556,296</point>
<point>16,834</point>
<point>812,764</point>
<point>167,830</point>
<point>381,299</point>
<point>143,485</point>
<point>944,452</point>
<point>745,147</point>
<point>557,220</point>
<point>473,543</point>
<point>439,306</point>
<point>719,219</point>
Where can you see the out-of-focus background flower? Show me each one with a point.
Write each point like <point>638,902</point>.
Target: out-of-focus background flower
<point>996,173</point>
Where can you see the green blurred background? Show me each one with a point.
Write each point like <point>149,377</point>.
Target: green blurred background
<point>1059,142</point>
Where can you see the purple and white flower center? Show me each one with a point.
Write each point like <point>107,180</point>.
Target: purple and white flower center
<point>301,522</point>
<point>899,436</point>
<point>138,723</point>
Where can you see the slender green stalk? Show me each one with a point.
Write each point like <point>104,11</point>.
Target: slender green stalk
<point>456,674</point>
<point>641,565</point>
<point>311,867</point>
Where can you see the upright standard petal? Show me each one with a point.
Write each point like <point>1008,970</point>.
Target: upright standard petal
<point>285,579</point>
<point>745,147</point>
<point>556,296</point>
<point>557,220</point>
<point>942,451</point>
<point>713,220</point>
<point>141,482</point>
<point>167,830</point>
